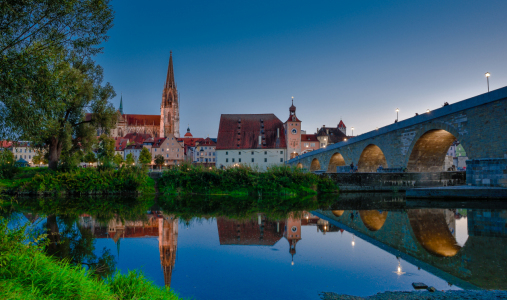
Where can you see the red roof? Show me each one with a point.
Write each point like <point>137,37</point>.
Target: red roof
<point>134,146</point>
<point>242,131</point>
<point>137,137</point>
<point>120,143</point>
<point>341,124</point>
<point>207,142</point>
<point>133,120</point>
<point>309,137</point>
<point>293,119</point>
<point>5,144</point>
<point>157,142</point>
<point>190,142</point>
<point>188,134</point>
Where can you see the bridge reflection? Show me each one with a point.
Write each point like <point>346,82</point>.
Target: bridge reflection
<point>427,238</point>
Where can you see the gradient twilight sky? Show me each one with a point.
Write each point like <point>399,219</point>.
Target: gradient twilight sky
<point>354,59</point>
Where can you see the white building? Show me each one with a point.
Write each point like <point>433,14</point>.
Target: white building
<point>257,140</point>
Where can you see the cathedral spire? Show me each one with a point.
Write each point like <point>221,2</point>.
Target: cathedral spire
<point>121,105</point>
<point>169,83</point>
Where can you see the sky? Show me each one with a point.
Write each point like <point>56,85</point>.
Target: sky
<point>345,59</point>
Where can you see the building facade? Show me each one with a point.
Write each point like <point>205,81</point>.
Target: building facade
<point>292,129</point>
<point>257,140</point>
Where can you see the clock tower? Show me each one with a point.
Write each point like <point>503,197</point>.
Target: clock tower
<point>293,133</point>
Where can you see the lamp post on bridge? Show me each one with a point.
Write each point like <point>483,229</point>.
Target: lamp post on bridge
<point>352,131</point>
<point>487,79</point>
<point>397,110</point>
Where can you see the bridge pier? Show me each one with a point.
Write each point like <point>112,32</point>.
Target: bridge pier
<point>487,172</point>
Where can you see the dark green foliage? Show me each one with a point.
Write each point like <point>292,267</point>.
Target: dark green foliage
<point>145,156</point>
<point>159,160</point>
<point>187,179</point>
<point>118,159</point>
<point>130,159</point>
<point>27,273</point>
<point>85,181</point>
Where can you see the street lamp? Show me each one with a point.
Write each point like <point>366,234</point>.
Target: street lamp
<point>487,79</point>
<point>428,110</point>
<point>352,131</point>
<point>397,110</point>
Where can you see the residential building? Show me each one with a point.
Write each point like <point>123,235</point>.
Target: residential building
<point>23,150</point>
<point>257,140</point>
<point>331,135</point>
<point>120,145</point>
<point>205,152</point>
<point>170,148</point>
<point>134,149</point>
<point>309,142</point>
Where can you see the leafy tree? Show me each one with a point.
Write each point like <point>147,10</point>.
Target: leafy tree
<point>130,159</point>
<point>36,25</point>
<point>106,148</point>
<point>145,156</point>
<point>47,80</point>
<point>118,159</point>
<point>159,160</point>
<point>39,159</point>
<point>50,106</point>
<point>6,157</point>
<point>90,158</point>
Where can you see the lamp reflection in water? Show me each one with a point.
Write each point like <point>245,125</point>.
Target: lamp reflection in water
<point>399,271</point>
<point>353,241</point>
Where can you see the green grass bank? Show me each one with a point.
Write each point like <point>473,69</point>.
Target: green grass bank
<point>278,180</point>
<point>77,181</point>
<point>27,273</point>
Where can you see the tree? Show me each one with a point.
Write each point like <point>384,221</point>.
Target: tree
<point>118,159</point>
<point>47,80</point>
<point>59,107</point>
<point>6,157</point>
<point>90,158</point>
<point>130,159</point>
<point>106,148</point>
<point>39,159</point>
<point>145,156</point>
<point>159,160</point>
<point>36,25</point>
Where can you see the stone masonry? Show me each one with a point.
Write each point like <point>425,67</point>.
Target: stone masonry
<point>421,142</point>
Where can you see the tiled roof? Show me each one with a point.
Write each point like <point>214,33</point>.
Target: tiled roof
<point>134,146</point>
<point>5,144</point>
<point>207,142</point>
<point>334,135</point>
<point>293,119</point>
<point>190,142</point>
<point>133,120</point>
<point>341,124</point>
<point>242,131</point>
<point>137,137</point>
<point>120,143</point>
<point>158,141</point>
<point>309,137</point>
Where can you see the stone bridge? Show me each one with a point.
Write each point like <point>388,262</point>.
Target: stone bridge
<point>421,142</point>
<point>424,237</point>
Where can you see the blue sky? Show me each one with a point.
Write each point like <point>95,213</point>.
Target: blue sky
<point>356,60</point>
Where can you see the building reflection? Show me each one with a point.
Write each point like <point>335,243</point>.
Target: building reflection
<point>156,224</point>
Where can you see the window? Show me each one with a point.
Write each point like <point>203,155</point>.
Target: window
<point>226,160</point>
<point>239,152</point>
<point>233,160</point>
<point>265,152</point>
<point>239,159</point>
<point>213,160</point>
<point>162,149</point>
<point>281,152</point>
<point>281,159</point>
<point>252,160</point>
<point>312,144</point>
<point>167,155</point>
<point>265,160</point>
<point>226,153</point>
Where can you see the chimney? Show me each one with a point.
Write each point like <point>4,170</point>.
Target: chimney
<point>278,133</point>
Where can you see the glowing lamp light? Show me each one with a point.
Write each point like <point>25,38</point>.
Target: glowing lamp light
<point>397,110</point>
<point>428,111</point>
<point>292,263</point>
<point>345,140</point>
<point>487,74</point>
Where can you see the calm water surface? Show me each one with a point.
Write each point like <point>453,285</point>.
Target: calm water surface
<point>349,248</point>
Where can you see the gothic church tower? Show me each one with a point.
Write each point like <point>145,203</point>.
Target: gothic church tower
<point>169,109</point>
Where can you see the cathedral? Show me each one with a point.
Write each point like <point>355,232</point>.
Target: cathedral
<point>163,125</point>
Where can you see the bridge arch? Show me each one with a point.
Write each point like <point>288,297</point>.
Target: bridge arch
<point>338,213</point>
<point>371,158</point>
<point>429,147</point>
<point>299,165</point>
<point>373,219</point>
<point>315,165</point>
<point>335,161</point>
<point>432,232</point>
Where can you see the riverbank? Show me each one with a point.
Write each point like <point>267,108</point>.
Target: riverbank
<point>41,181</point>
<point>27,273</point>
<point>417,295</point>
<point>242,181</point>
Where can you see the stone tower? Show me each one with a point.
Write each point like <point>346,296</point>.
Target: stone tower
<point>293,133</point>
<point>293,234</point>
<point>169,109</point>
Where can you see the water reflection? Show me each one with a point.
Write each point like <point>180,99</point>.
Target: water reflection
<point>238,248</point>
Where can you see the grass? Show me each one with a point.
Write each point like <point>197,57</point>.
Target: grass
<point>78,181</point>
<point>27,273</point>
<point>242,181</point>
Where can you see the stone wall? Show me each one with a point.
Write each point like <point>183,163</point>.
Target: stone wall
<point>487,172</point>
<point>420,143</point>
<point>395,181</point>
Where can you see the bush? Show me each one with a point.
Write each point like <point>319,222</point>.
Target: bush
<point>280,180</point>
